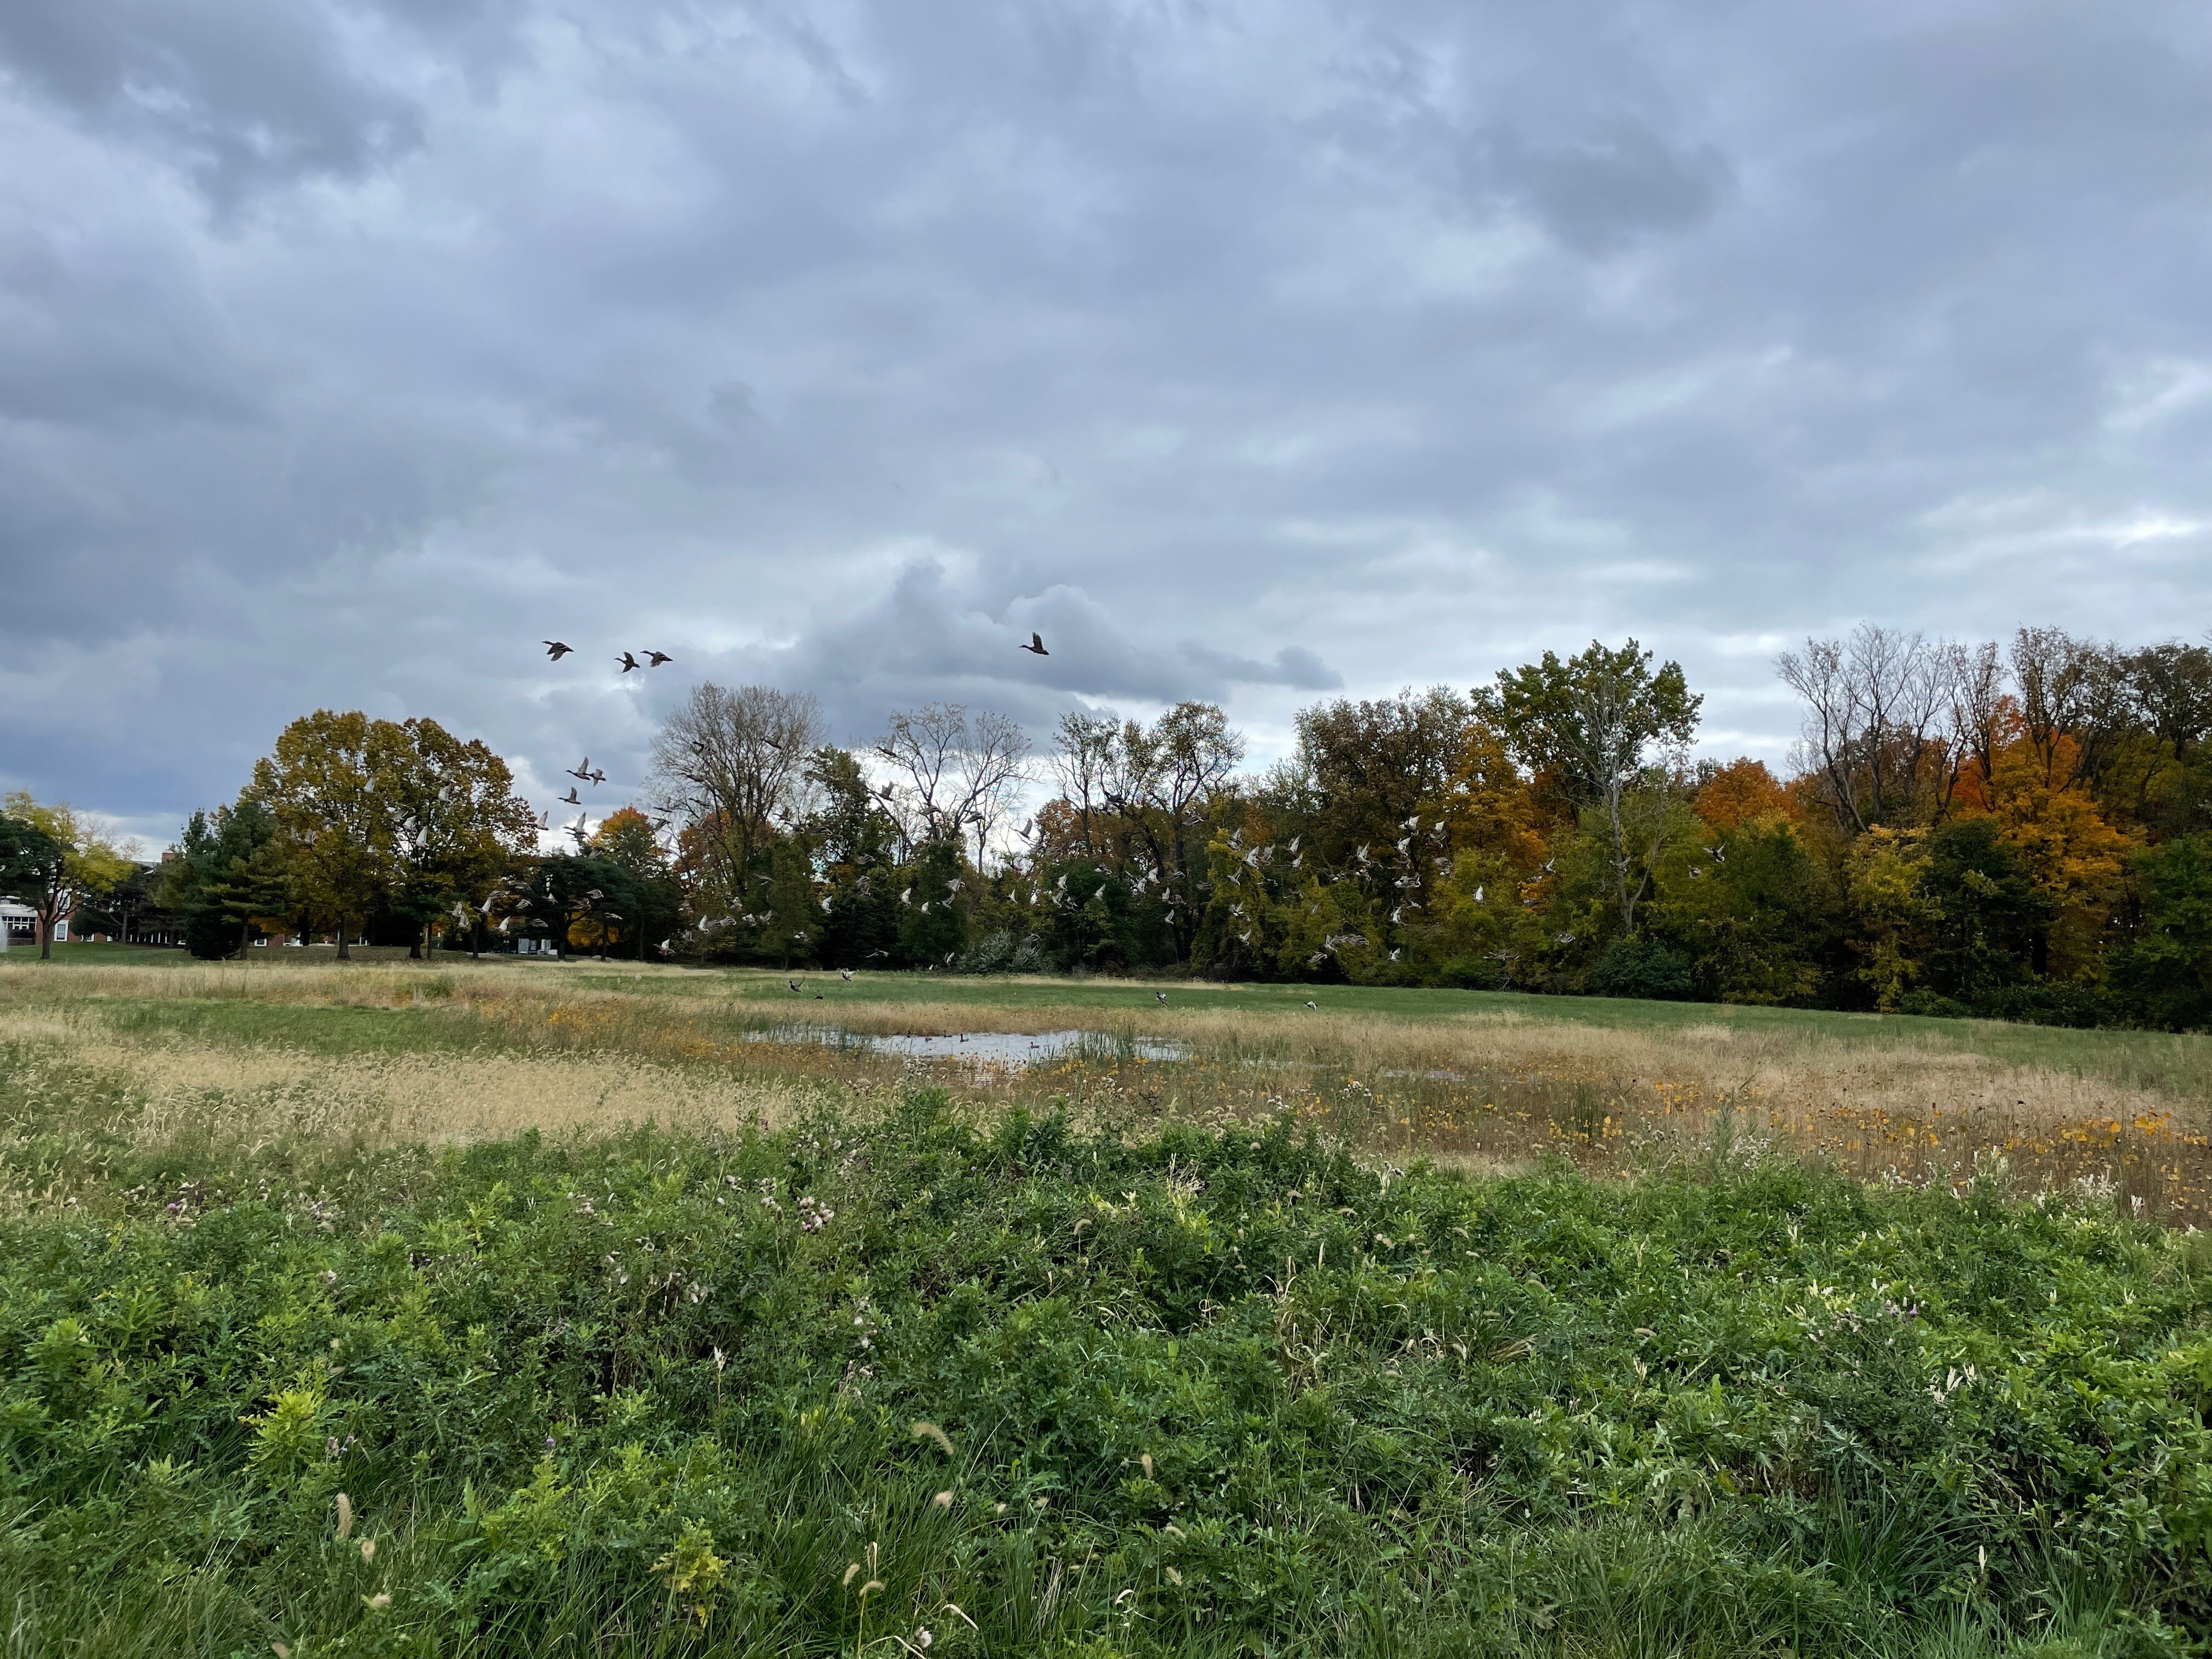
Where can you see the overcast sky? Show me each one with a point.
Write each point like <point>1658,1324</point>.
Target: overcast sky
<point>1251,352</point>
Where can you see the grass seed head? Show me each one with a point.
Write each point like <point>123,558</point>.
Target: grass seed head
<point>943,1500</point>
<point>345,1517</point>
<point>931,1431</point>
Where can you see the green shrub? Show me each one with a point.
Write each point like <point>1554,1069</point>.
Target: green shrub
<point>1202,1392</point>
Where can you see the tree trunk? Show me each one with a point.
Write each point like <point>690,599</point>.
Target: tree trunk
<point>345,951</point>
<point>414,944</point>
<point>46,938</point>
<point>245,939</point>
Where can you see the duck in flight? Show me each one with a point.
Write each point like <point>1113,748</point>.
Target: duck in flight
<point>570,799</point>
<point>556,649</point>
<point>628,662</point>
<point>582,769</point>
<point>1035,647</point>
<point>655,658</point>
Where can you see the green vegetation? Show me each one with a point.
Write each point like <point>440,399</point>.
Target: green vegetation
<point>1200,1389</point>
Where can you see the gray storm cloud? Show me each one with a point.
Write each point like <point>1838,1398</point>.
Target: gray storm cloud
<point>1246,352</point>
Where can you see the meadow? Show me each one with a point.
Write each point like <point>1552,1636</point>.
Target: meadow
<point>499,1308</point>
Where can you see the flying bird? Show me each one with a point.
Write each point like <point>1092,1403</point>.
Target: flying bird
<point>1161,995</point>
<point>1311,1003</point>
<point>846,974</point>
<point>556,649</point>
<point>794,986</point>
<point>628,662</point>
<point>655,658</point>
<point>582,769</point>
<point>571,799</point>
<point>1035,647</point>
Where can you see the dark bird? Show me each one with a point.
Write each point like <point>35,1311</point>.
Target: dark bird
<point>555,650</point>
<point>1035,647</point>
<point>846,974</point>
<point>582,769</point>
<point>794,986</point>
<point>598,776</point>
<point>655,658</point>
<point>628,662</point>
<point>571,799</point>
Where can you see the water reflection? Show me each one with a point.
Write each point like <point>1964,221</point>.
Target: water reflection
<point>1011,1048</point>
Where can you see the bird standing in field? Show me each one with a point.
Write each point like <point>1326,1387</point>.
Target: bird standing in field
<point>1035,647</point>
<point>556,649</point>
<point>628,662</point>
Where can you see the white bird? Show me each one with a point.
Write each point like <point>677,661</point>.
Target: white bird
<point>1414,822</point>
<point>906,898</point>
<point>1477,895</point>
<point>1311,1003</point>
<point>845,974</point>
<point>1160,996</point>
<point>1393,956</point>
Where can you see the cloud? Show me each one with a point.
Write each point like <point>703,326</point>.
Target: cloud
<point>244,94</point>
<point>350,347</point>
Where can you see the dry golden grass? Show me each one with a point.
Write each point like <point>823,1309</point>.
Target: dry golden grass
<point>495,1050</point>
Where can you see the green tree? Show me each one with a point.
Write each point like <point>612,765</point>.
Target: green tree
<point>1591,727</point>
<point>195,882</point>
<point>1753,912</point>
<point>31,860</point>
<point>2163,976</point>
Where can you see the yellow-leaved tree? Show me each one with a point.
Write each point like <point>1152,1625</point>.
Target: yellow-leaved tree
<point>83,860</point>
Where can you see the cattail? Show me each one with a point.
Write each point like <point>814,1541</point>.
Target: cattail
<point>345,1517</point>
<point>944,1500</point>
<point>931,1431</point>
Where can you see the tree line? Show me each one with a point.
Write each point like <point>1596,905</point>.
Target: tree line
<point>2021,830</point>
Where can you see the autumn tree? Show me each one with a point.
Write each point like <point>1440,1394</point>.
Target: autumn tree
<point>320,783</point>
<point>452,824</point>
<point>64,859</point>
<point>1597,727</point>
